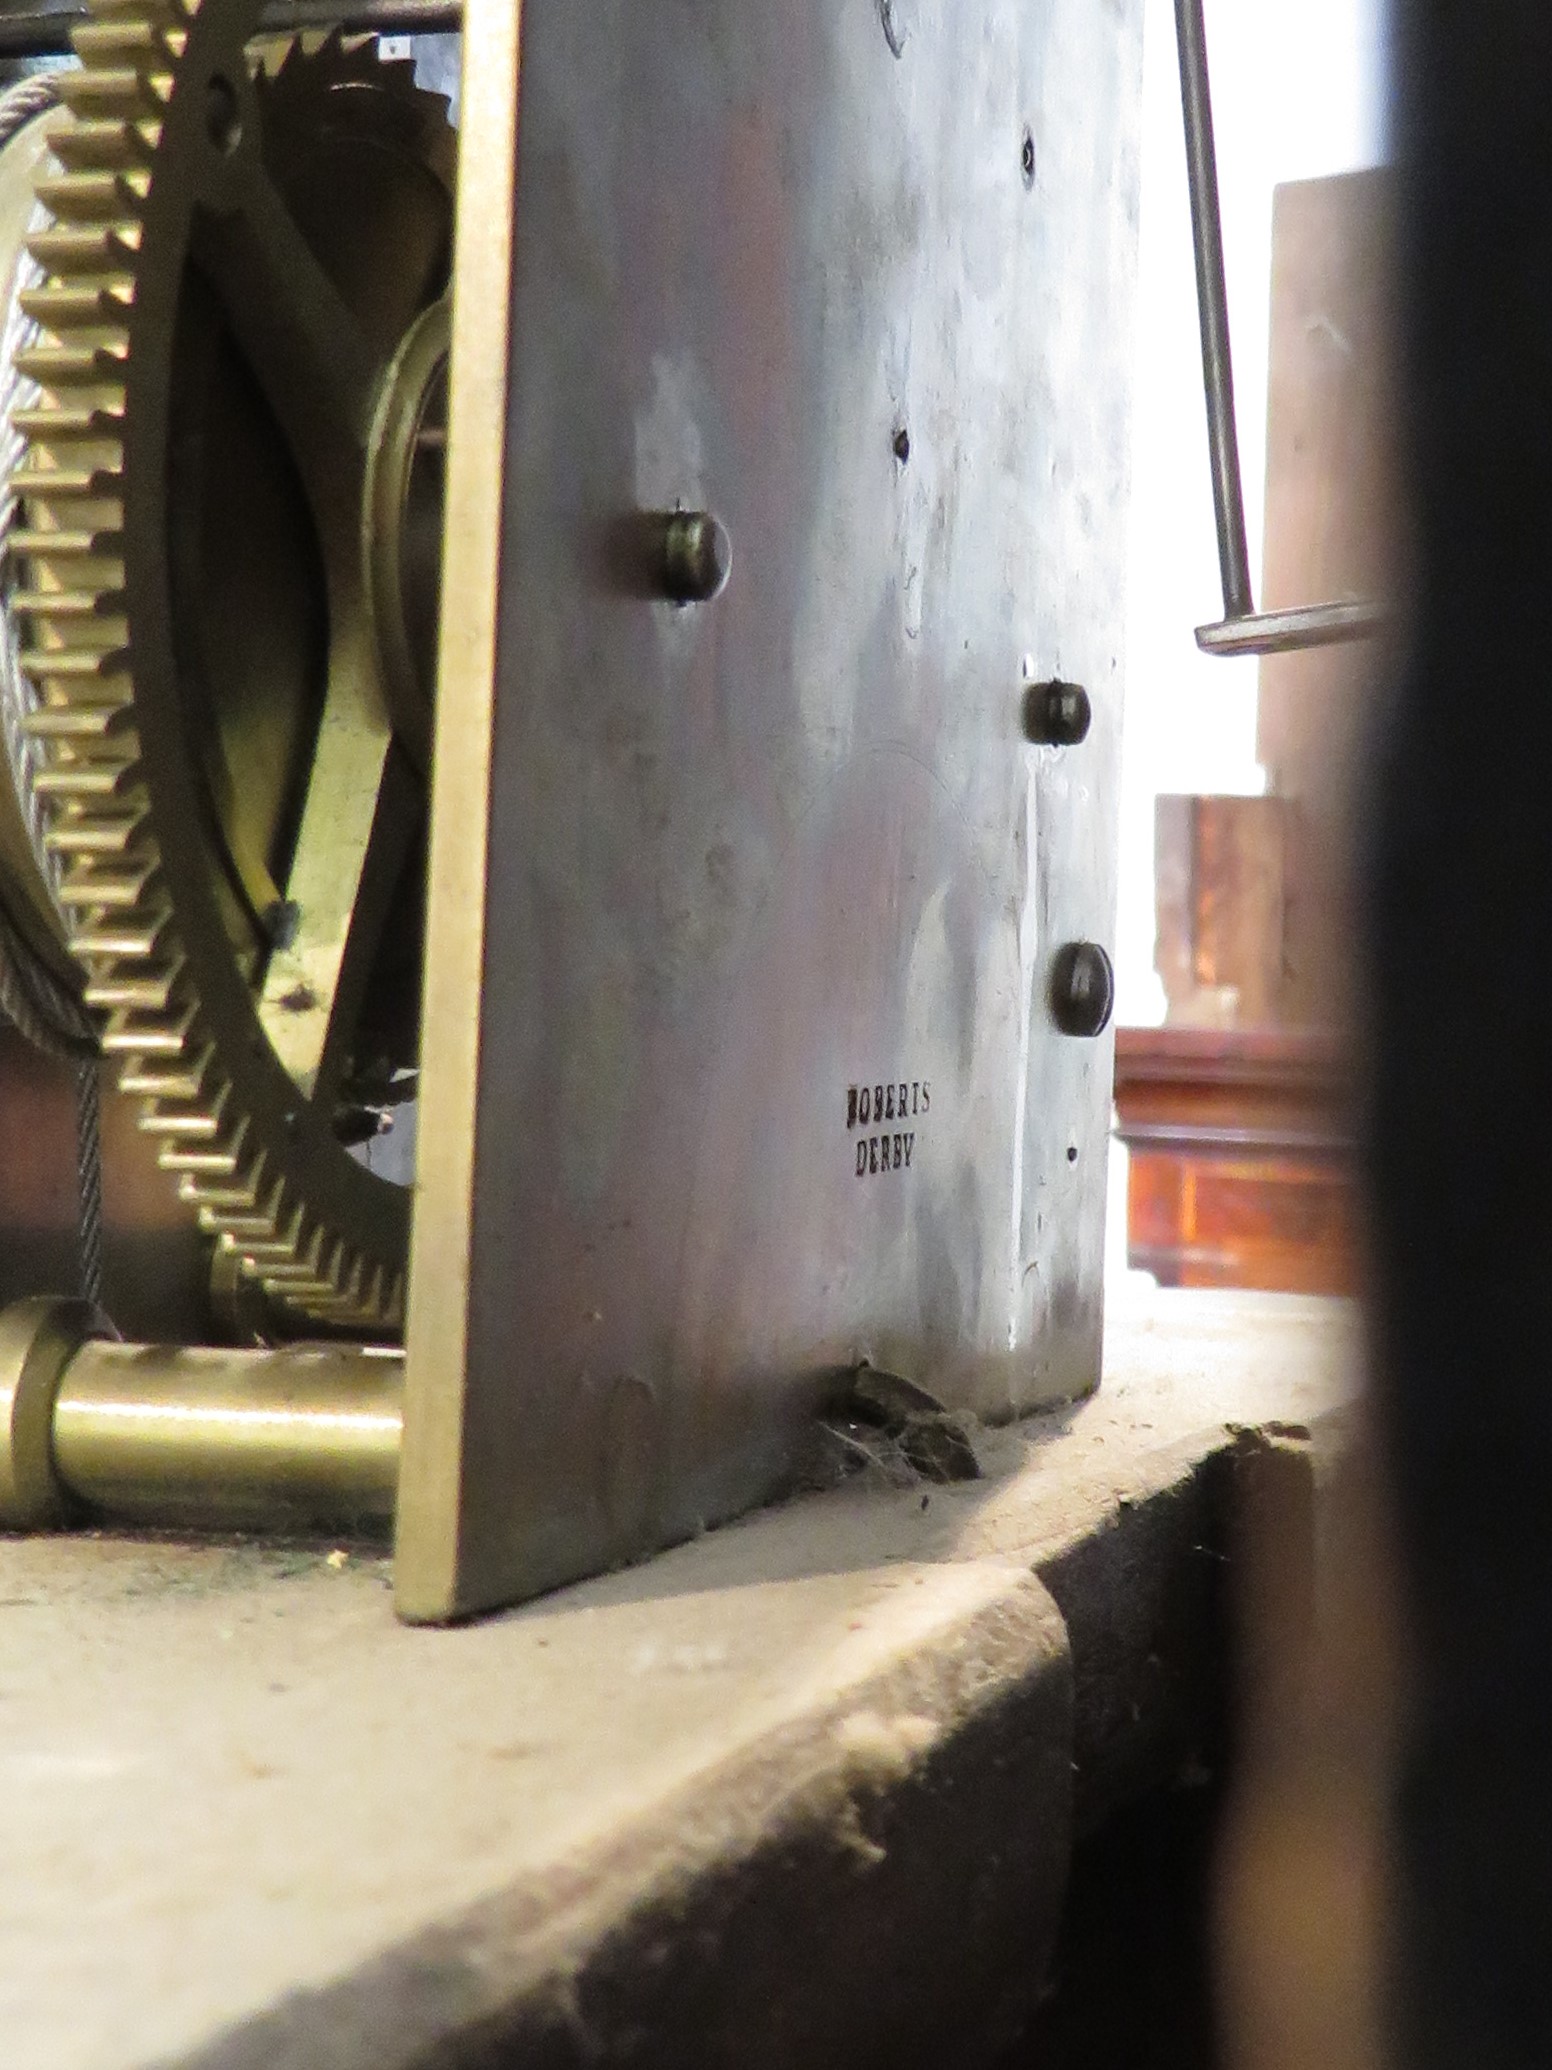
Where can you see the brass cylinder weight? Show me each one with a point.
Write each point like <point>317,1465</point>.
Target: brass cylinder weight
<point>304,1439</point>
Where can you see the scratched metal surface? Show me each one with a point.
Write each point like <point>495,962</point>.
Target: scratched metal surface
<point>751,859</point>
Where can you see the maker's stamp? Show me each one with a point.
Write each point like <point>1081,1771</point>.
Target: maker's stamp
<point>876,1118</point>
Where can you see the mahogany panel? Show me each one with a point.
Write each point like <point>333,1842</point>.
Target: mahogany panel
<point>1241,1158</point>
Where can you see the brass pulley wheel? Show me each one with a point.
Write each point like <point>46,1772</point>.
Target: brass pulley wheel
<point>231,510</point>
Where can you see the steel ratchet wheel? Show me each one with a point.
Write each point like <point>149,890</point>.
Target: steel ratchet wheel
<point>224,576</point>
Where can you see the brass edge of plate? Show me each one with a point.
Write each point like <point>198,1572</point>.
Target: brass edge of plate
<point>428,1535</point>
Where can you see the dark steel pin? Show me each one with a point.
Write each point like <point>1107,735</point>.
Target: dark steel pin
<point>1057,715</point>
<point>696,557</point>
<point>1083,990</point>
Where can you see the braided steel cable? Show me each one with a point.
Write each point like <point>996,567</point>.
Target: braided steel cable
<point>44,1011</point>
<point>88,1171</point>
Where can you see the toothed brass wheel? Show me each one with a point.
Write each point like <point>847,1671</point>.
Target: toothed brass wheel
<point>232,473</point>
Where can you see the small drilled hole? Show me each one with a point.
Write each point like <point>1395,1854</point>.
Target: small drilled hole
<point>902,445</point>
<point>1028,158</point>
<point>223,117</point>
<point>1072,1155</point>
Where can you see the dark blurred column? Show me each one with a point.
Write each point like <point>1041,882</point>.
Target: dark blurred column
<point>1460,945</point>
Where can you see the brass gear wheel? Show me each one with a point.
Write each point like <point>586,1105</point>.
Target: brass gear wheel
<point>241,359</point>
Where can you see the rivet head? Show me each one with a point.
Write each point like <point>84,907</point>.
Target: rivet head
<point>696,557</point>
<point>1057,715</point>
<point>1083,990</point>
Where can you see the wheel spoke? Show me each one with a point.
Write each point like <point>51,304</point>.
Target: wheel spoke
<point>401,802</point>
<point>297,332</point>
<point>363,806</point>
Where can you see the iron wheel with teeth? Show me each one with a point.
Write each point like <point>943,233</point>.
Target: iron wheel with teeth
<point>228,575</point>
